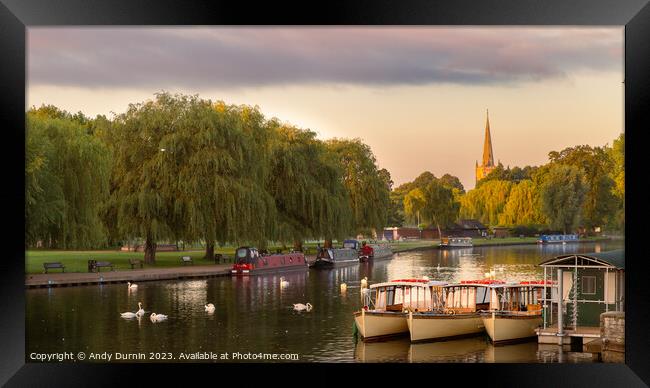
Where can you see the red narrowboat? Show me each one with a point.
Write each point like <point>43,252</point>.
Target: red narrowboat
<point>249,261</point>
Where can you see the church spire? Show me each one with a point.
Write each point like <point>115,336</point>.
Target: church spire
<point>488,157</point>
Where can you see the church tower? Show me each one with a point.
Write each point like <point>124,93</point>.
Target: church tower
<point>487,164</point>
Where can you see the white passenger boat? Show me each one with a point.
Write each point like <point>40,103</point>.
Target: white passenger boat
<point>457,313</point>
<point>386,307</point>
<point>515,310</point>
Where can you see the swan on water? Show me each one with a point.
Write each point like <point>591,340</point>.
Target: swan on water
<point>140,311</point>
<point>283,283</point>
<point>128,315</point>
<point>300,306</point>
<point>344,287</point>
<point>438,267</point>
<point>364,282</point>
<point>157,317</point>
<point>209,307</point>
<point>132,286</point>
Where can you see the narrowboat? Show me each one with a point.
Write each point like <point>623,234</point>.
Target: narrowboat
<point>455,242</point>
<point>515,310</point>
<point>248,261</point>
<point>557,238</point>
<point>336,257</point>
<point>377,252</point>
<point>456,314</point>
<point>386,307</point>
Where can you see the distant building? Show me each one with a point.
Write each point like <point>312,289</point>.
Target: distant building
<point>467,228</point>
<point>487,164</point>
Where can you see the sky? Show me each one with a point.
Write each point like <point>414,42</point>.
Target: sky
<point>417,95</point>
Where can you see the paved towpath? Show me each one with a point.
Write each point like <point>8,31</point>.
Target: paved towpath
<point>56,279</point>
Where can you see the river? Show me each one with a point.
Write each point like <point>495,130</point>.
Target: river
<point>254,316</point>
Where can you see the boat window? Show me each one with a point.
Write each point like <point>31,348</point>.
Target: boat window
<point>241,253</point>
<point>266,262</point>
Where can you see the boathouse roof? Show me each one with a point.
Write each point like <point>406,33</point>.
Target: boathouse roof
<point>608,259</point>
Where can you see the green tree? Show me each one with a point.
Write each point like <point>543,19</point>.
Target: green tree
<point>562,196</point>
<point>595,163</point>
<point>145,188</point>
<point>414,202</point>
<point>66,176</point>
<point>523,206</point>
<point>307,183</point>
<point>440,206</point>
<point>617,155</point>
<point>368,191</point>
<point>486,202</point>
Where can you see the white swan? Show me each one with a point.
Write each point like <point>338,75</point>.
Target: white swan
<point>283,283</point>
<point>364,282</point>
<point>157,317</point>
<point>128,315</point>
<point>140,311</point>
<point>132,286</point>
<point>209,308</point>
<point>438,267</point>
<point>344,287</point>
<point>300,306</point>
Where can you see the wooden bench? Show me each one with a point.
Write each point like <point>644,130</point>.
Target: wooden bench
<point>94,266</point>
<point>134,262</point>
<point>186,259</point>
<point>55,265</point>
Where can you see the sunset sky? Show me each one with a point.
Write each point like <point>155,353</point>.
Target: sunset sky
<point>417,95</point>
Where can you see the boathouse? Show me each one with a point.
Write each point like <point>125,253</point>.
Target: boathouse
<point>583,286</point>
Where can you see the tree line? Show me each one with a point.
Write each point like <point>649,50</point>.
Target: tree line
<point>580,186</point>
<point>183,168</point>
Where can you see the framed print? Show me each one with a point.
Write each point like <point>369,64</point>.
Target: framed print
<point>388,190</point>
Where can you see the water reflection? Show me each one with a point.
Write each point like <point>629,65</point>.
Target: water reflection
<point>254,314</point>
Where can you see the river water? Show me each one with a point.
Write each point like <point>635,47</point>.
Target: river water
<point>254,315</point>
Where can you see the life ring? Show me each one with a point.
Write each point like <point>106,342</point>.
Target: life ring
<point>451,312</point>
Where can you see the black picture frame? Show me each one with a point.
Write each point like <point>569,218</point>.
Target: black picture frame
<point>17,15</point>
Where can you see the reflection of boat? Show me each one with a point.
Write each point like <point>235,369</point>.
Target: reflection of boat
<point>515,311</point>
<point>460,350</point>
<point>249,261</point>
<point>336,257</point>
<point>385,316</point>
<point>385,351</point>
<point>455,242</point>
<point>521,352</point>
<point>456,313</point>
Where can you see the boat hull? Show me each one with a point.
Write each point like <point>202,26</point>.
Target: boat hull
<point>502,328</point>
<point>432,327</point>
<point>375,325</point>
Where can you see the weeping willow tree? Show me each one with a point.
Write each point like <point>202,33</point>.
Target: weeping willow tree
<point>414,202</point>
<point>66,181</point>
<point>367,188</point>
<point>219,153</point>
<point>440,205</point>
<point>144,187</point>
<point>305,181</point>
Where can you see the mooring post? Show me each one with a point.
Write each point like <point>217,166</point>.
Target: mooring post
<point>560,313</point>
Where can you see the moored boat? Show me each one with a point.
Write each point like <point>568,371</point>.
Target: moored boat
<point>375,252</point>
<point>336,257</point>
<point>248,261</point>
<point>557,238</point>
<point>455,242</point>
<point>515,310</point>
<point>387,304</point>
<point>457,313</point>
